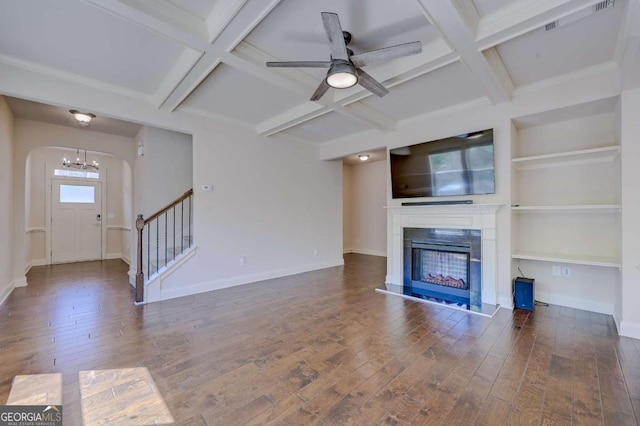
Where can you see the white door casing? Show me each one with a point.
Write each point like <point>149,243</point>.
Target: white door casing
<point>76,220</point>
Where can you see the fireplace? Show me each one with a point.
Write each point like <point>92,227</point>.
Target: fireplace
<point>443,264</point>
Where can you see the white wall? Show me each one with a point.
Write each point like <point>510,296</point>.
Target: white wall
<point>347,208</point>
<point>630,141</point>
<point>165,171</point>
<point>367,221</point>
<point>6,194</point>
<point>273,203</point>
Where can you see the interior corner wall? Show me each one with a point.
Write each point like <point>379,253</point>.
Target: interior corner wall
<point>274,205</point>
<point>630,149</point>
<point>6,199</point>
<point>368,197</point>
<point>347,209</point>
<point>165,171</point>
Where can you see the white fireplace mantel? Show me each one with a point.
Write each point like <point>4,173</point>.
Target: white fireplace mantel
<point>457,216</point>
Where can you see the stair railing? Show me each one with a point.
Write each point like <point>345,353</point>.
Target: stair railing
<point>170,229</point>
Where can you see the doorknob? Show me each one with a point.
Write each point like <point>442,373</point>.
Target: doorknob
<point>98,217</point>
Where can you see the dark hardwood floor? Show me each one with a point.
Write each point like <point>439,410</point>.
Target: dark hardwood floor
<point>321,348</point>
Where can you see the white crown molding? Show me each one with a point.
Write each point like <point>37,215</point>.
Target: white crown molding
<point>291,117</point>
<point>160,17</point>
<point>217,117</point>
<point>74,78</point>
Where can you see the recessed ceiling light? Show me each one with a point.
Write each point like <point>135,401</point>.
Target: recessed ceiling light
<point>363,157</point>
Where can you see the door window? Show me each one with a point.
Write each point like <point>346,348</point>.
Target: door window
<point>77,194</point>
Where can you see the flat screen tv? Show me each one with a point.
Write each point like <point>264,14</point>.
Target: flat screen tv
<point>459,165</point>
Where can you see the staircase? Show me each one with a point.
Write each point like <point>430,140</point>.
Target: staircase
<point>164,239</point>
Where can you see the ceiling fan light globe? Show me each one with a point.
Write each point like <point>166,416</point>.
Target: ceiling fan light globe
<point>342,80</point>
<point>341,75</point>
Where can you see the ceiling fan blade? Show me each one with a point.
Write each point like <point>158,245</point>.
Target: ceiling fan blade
<point>387,53</point>
<point>370,83</point>
<point>321,90</point>
<point>299,64</point>
<point>334,33</point>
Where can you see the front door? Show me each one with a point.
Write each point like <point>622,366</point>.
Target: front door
<point>76,222</point>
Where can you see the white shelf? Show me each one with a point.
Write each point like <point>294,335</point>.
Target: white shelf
<point>606,261</point>
<point>585,156</point>
<point>602,208</point>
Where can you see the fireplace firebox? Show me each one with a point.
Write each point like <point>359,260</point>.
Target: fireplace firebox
<point>443,264</point>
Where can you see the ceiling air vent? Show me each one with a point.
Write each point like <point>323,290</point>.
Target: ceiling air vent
<point>598,7</point>
<point>603,5</point>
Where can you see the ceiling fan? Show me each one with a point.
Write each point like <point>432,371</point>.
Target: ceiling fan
<point>345,66</point>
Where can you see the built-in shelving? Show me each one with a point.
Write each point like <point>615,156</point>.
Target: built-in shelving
<point>602,208</point>
<point>565,205</point>
<point>584,156</point>
<point>605,261</point>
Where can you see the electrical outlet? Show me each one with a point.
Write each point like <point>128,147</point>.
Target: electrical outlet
<point>556,271</point>
<point>243,260</point>
<point>566,271</point>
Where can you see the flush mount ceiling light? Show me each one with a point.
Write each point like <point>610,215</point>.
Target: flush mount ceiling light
<point>83,118</point>
<point>80,165</point>
<point>363,157</point>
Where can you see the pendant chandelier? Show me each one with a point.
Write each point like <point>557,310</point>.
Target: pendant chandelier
<point>78,164</point>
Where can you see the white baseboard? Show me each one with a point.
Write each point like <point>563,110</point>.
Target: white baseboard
<point>573,302</point>
<point>28,267</point>
<point>5,292</point>
<point>629,329</point>
<point>381,253</point>
<point>202,287</point>
<point>20,282</point>
<point>125,259</point>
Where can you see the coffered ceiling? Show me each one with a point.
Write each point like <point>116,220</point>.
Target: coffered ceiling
<point>207,57</point>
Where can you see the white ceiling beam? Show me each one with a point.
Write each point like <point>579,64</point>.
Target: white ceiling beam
<point>434,55</point>
<point>252,60</point>
<point>154,17</point>
<point>456,30</point>
<point>255,13</point>
<point>185,62</point>
<point>292,117</point>
<point>220,16</point>
<point>520,17</point>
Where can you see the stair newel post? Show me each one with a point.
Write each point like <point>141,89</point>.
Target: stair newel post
<point>139,273</point>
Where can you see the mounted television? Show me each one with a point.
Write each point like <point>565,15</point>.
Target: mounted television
<point>459,165</point>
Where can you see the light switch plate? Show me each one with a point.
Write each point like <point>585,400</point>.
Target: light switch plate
<point>206,187</point>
